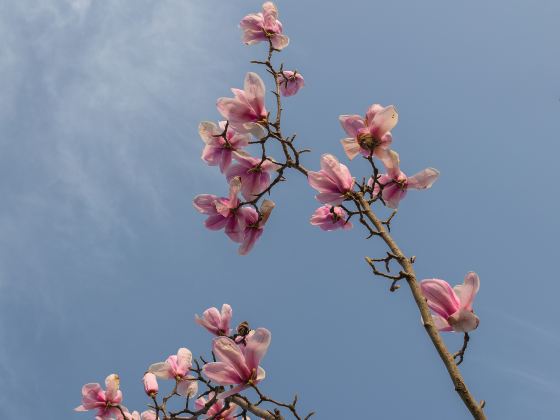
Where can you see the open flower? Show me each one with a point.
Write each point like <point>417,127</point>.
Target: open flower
<point>330,218</point>
<point>236,366</point>
<point>223,212</point>
<point>254,226</point>
<point>333,181</point>
<point>290,82</point>
<point>396,184</point>
<point>105,402</point>
<point>253,172</point>
<point>216,410</point>
<point>214,321</point>
<point>177,367</point>
<point>264,25</point>
<point>452,307</point>
<point>246,111</point>
<point>370,135</point>
<point>218,151</point>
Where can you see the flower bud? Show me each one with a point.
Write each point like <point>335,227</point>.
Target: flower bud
<point>150,384</point>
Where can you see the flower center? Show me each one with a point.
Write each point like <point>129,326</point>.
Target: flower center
<point>367,141</point>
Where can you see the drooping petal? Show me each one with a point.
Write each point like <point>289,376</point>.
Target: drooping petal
<point>204,203</point>
<point>468,290</point>
<point>351,147</point>
<point>463,321</point>
<point>257,346</point>
<point>423,179</point>
<point>440,296</point>
<point>187,387</point>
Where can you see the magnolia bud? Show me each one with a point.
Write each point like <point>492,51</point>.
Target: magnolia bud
<point>150,384</point>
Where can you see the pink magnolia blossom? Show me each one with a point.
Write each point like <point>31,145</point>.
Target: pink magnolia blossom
<point>150,384</point>
<point>370,135</point>
<point>396,184</point>
<point>254,226</point>
<point>215,410</point>
<point>452,307</point>
<point>246,112</point>
<point>218,151</point>
<point>106,401</point>
<point>262,26</point>
<point>177,367</point>
<point>238,365</point>
<point>224,212</point>
<point>214,321</point>
<point>253,172</point>
<point>330,218</point>
<point>290,83</point>
<point>333,181</point>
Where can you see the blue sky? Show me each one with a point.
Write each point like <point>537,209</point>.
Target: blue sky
<point>100,160</point>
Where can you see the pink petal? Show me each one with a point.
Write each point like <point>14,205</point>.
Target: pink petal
<point>222,373</point>
<point>463,321</point>
<point>187,387</point>
<point>112,392</point>
<point>257,346</point>
<point>204,203</point>
<point>233,391</point>
<point>254,91</point>
<point>351,124</point>
<point>280,41</point>
<point>440,296</point>
<point>338,172</point>
<point>468,290</point>
<point>252,235</point>
<point>161,370</point>
<point>423,179</point>
<point>441,324</point>
<point>351,147</point>
<point>207,131</point>
<point>226,315</point>
<point>228,352</point>
<point>384,121</point>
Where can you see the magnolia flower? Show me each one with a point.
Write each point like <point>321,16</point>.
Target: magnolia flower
<point>369,136</point>
<point>224,212</point>
<point>333,181</point>
<point>452,307</point>
<point>259,27</point>
<point>216,410</point>
<point>290,83</point>
<point>106,402</point>
<point>254,226</point>
<point>237,366</point>
<point>253,172</point>
<point>330,218</point>
<point>150,384</point>
<point>246,112</point>
<point>214,321</point>
<point>396,184</point>
<point>217,151</point>
<point>176,367</point>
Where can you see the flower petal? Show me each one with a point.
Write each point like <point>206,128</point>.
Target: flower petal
<point>227,351</point>
<point>222,373</point>
<point>468,290</point>
<point>440,296</point>
<point>257,346</point>
<point>351,124</point>
<point>423,179</point>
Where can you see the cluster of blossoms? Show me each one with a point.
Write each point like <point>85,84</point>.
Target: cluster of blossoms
<point>238,365</point>
<point>247,121</point>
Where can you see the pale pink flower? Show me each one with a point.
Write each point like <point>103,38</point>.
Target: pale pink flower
<point>224,212</point>
<point>452,307</point>
<point>333,181</point>
<point>254,226</point>
<point>396,184</point>
<point>370,135</point>
<point>105,402</point>
<point>330,218</point>
<point>177,367</point>
<point>214,321</point>
<point>290,82</point>
<point>146,415</point>
<point>215,410</point>
<point>218,151</point>
<point>150,384</point>
<point>253,172</point>
<point>246,112</point>
<point>264,25</point>
<point>237,365</point>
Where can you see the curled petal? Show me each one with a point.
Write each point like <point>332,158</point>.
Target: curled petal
<point>440,296</point>
<point>468,290</point>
